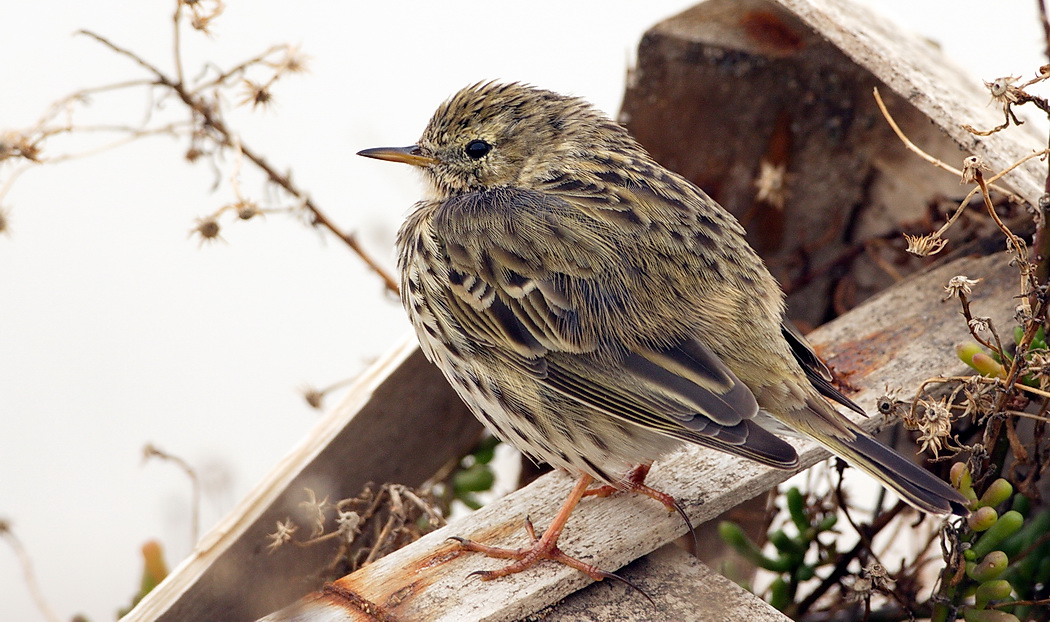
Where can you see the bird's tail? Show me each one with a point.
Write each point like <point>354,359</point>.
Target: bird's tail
<point>918,486</point>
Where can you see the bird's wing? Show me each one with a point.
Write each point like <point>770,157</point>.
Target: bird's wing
<point>816,371</point>
<point>527,280</point>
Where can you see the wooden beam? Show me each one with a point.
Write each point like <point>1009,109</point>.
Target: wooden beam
<point>400,422</point>
<point>683,590</point>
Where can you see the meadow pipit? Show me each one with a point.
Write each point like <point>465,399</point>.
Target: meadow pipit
<point>595,309</point>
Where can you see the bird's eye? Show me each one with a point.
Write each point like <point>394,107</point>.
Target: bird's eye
<point>476,149</point>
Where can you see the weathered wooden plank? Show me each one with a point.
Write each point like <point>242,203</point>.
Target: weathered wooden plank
<point>917,71</point>
<point>683,590</point>
<point>400,422</point>
<point>896,339</point>
<point>773,115</point>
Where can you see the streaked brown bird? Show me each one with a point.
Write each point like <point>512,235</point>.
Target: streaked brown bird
<point>596,310</point>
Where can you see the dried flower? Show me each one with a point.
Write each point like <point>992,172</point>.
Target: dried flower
<point>960,286</point>
<point>18,145</point>
<point>284,533</point>
<point>1022,314</point>
<point>971,166</point>
<point>874,578</point>
<point>981,324</point>
<point>293,61</point>
<point>316,509</point>
<point>978,398</point>
<point>1003,89</point>
<point>772,184</point>
<point>247,209</point>
<point>313,396</point>
<point>349,523</point>
<point>879,577</point>
<point>207,228</point>
<point>935,425</point>
<point>202,16</point>
<point>257,94</point>
<point>889,405</point>
<point>924,245</point>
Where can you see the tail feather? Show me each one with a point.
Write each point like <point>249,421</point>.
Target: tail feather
<point>914,484</point>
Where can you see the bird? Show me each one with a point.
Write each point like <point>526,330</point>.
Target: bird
<point>596,310</point>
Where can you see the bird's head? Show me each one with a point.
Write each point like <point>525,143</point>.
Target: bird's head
<point>494,134</point>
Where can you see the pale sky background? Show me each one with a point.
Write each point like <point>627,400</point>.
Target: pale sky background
<point>117,329</point>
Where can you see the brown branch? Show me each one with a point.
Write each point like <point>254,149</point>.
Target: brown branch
<point>6,533</point>
<point>997,348</point>
<point>1019,603</point>
<point>225,138</point>
<point>239,68</point>
<point>177,41</point>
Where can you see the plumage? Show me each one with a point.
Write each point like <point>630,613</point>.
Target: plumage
<point>595,309</point>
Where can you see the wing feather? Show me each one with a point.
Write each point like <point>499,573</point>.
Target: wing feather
<point>531,274</point>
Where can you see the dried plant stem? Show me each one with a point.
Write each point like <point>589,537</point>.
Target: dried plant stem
<point>1028,285</point>
<point>28,573</point>
<point>1033,390</point>
<point>1024,415</point>
<point>239,68</point>
<point>842,564</point>
<point>151,451</point>
<point>226,138</point>
<point>940,164</point>
<point>997,348</point>
<point>177,41</point>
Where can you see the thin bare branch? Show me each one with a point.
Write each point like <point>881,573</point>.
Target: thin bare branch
<point>27,572</point>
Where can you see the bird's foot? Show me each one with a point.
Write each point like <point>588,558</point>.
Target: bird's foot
<point>527,557</point>
<point>634,481</point>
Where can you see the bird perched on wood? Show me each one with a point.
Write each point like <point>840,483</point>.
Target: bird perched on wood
<point>596,310</point>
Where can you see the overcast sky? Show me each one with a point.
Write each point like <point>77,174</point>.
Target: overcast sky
<point>119,329</point>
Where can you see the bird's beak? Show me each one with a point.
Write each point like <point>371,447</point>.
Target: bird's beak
<point>409,155</point>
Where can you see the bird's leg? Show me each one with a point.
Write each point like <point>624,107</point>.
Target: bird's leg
<point>544,547</point>
<point>634,481</point>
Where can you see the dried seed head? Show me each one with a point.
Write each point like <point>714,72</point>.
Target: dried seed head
<point>18,145</point>
<point>924,245</point>
<point>294,61</point>
<point>981,324</point>
<point>313,396</point>
<point>1003,89</point>
<point>349,523</point>
<point>1039,366</point>
<point>201,16</point>
<point>880,579</point>
<point>1022,314</point>
<point>316,509</point>
<point>247,209</point>
<point>959,286</point>
<point>256,94</point>
<point>935,424</point>
<point>971,166</point>
<point>889,405</point>
<point>285,530</point>
<point>772,184</point>
<point>207,228</point>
